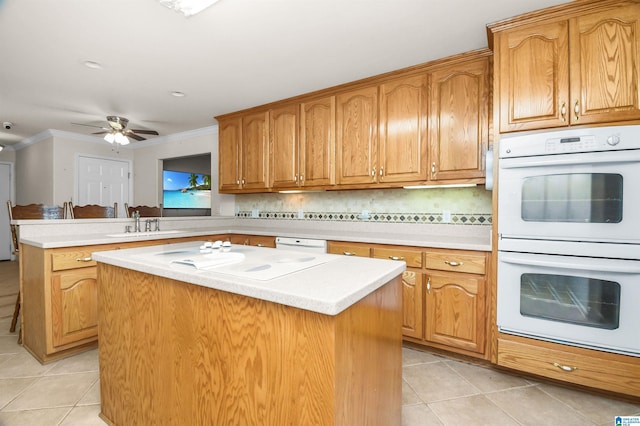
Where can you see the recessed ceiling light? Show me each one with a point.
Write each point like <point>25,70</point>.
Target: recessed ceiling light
<point>93,65</point>
<point>178,94</point>
<point>187,7</point>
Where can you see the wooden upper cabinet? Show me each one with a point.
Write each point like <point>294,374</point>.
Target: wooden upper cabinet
<point>403,129</point>
<point>459,128</point>
<point>283,142</point>
<point>605,66</point>
<point>229,145</point>
<point>317,142</point>
<point>255,151</point>
<point>573,71</point>
<point>357,136</point>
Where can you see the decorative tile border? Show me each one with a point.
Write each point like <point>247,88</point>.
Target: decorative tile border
<point>420,218</point>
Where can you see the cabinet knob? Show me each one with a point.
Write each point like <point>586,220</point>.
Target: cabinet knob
<point>301,178</point>
<point>295,178</point>
<point>563,111</point>
<point>453,263</point>
<point>381,171</point>
<point>433,169</point>
<point>373,173</point>
<point>429,286</point>
<point>576,110</point>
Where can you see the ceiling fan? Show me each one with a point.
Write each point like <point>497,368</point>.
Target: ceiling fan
<point>117,131</point>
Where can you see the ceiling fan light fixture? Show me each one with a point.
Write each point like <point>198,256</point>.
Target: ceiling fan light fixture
<point>187,7</point>
<point>121,139</point>
<point>1,147</point>
<point>110,137</point>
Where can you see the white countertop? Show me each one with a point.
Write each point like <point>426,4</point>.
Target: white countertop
<point>328,288</point>
<point>81,232</point>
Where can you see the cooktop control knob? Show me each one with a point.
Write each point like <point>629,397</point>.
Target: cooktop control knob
<point>613,140</point>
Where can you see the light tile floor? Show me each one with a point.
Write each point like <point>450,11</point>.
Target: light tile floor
<point>436,391</point>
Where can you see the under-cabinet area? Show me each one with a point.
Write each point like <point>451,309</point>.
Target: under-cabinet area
<point>444,294</point>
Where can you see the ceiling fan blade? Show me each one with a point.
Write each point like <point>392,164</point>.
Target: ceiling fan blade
<point>144,132</point>
<point>134,136</point>
<point>100,133</point>
<point>91,125</point>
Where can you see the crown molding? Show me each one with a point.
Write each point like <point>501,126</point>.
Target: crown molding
<point>52,133</point>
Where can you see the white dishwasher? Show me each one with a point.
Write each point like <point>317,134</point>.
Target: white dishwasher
<point>301,244</point>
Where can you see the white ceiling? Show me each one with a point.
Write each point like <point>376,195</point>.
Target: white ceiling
<point>236,54</point>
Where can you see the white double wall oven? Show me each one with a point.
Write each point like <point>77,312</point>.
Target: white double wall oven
<point>569,237</point>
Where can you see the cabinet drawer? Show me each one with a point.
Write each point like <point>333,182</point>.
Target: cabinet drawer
<point>583,367</point>
<point>80,258</point>
<point>469,263</point>
<point>412,258</point>
<point>348,249</point>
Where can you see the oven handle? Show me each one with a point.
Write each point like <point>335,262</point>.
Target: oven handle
<point>571,159</point>
<point>564,264</point>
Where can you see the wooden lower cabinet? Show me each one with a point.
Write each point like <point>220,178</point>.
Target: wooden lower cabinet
<point>444,300</point>
<point>455,311</point>
<point>600,370</point>
<point>253,240</point>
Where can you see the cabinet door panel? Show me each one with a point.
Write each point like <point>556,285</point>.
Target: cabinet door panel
<point>74,306</point>
<point>403,130</point>
<point>317,142</point>
<point>604,66</point>
<point>255,150</point>
<point>455,312</point>
<point>229,137</point>
<point>533,77</point>
<point>412,284</point>
<point>460,120</point>
<point>357,136</point>
<point>283,142</point>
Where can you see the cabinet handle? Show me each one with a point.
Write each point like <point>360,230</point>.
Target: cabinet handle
<point>237,181</point>
<point>348,253</point>
<point>396,257</point>
<point>576,110</point>
<point>429,286</point>
<point>301,178</point>
<point>243,181</point>
<point>563,111</point>
<point>373,173</point>
<point>453,263</point>
<point>433,169</point>
<point>295,178</point>
<point>381,171</point>
<point>84,259</point>
<point>260,245</point>
<point>565,367</point>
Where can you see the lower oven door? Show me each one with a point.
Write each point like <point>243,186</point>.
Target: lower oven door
<point>580,301</point>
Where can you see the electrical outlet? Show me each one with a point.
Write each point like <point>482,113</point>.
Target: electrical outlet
<point>446,216</point>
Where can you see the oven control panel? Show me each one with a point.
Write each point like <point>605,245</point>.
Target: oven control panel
<point>597,139</point>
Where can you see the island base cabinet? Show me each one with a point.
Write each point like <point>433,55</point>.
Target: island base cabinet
<point>176,353</point>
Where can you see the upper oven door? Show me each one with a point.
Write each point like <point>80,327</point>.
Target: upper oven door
<point>575,197</point>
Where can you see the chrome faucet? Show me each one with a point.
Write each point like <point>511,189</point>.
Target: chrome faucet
<point>136,217</point>
<point>148,222</point>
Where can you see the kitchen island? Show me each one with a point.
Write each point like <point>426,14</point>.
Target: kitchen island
<point>183,344</point>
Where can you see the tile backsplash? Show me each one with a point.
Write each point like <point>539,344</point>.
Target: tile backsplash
<point>468,206</point>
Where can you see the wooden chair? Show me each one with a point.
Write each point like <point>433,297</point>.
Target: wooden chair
<point>145,211</point>
<point>93,211</point>
<point>29,211</point>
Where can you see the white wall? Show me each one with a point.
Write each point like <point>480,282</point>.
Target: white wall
<point>34,172</point>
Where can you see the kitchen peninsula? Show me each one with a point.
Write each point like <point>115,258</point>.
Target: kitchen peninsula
<point>319,345</point>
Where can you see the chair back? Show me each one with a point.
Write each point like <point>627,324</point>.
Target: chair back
<point>32,211</point>
<point>93,211</point>
<point>145,211</point>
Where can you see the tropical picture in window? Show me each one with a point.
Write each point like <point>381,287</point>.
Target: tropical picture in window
<point>184,190</point>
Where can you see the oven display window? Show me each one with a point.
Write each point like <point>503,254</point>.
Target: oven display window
<point>570,299</point>
<point>573,197</point>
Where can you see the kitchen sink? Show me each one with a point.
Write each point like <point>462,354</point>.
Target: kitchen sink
<point>142,234</point>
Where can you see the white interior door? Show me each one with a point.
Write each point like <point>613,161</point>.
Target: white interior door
<point>5,195</point>
<point>103,181</point>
